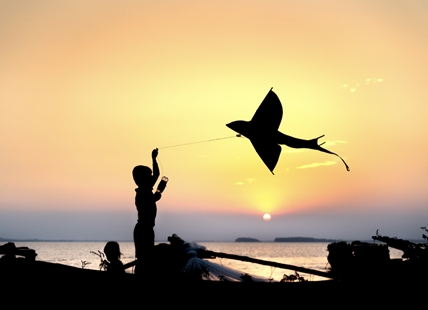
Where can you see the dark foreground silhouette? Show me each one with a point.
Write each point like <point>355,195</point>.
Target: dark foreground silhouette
<point>360,270</point>
<point>263,133</point>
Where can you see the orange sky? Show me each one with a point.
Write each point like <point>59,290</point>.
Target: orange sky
<point>89,89</point>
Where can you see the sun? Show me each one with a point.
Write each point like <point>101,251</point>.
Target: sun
<point>267,217</point>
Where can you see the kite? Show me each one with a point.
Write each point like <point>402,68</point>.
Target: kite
<point>263,133</point>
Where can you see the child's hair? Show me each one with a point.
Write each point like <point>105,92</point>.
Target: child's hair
<point>141,173</point>
<point>112,250</point>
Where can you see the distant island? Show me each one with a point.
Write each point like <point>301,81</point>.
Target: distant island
<point>286,239</point>
<point>303,239</point>
<point>245,239</point>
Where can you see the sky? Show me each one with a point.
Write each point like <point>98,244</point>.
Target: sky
<point>89,88</point>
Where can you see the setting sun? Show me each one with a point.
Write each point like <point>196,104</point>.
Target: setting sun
<point>267,217</point>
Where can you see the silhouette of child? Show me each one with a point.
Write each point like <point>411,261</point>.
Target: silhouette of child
<point>145,201</point>
<point>112,252</point>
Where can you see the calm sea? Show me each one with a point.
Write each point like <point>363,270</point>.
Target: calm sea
<point>308,255</point>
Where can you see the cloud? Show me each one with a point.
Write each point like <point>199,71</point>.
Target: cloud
<point>331,143</point>
<point>373,81</point>
<point>249,180</point>
<point>355,87</point>
<point>352,89</point>
<point>314,165</point>
<point>324,144</point>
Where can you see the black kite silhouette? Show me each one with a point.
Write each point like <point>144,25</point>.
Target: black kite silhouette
<point>263,132</point>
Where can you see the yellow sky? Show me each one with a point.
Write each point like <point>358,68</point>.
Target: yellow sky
<point>88,89</point>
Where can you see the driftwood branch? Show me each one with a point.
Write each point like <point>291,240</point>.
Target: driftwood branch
<point>130,264</point>
<point>268,263</point>
<point>211,254</point>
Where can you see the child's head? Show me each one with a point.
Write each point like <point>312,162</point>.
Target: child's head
<point>141,175</point>
<point>112,251</point>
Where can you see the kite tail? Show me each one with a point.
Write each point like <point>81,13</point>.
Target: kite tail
<point>319,148</point>
<point>308,144</point>
<point>347,167</point>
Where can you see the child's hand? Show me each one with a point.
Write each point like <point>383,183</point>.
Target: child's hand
<point>157,196</point>
<point>155,153</point>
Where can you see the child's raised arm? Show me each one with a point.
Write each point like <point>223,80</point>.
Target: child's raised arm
<point>156,172</point>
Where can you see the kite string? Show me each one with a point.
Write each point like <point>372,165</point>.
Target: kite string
<point>210,140</point>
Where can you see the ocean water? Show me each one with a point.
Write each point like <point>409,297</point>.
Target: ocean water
<point>305,254</point>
